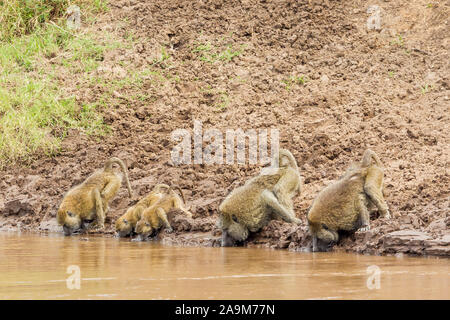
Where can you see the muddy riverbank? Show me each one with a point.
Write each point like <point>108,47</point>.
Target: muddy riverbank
<point>385,237</point>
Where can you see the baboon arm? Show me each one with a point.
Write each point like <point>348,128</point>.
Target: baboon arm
<point>99,208</point>
<point>110,190</point>
<point>163,216</point>
<point>272,202</point>
<point>373,186</point>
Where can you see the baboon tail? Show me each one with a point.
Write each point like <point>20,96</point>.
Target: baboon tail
<point>368,156</point>
<point>108,166</point>
<point>286,153</point>
<point>181,192</point>
<point>161,185</point>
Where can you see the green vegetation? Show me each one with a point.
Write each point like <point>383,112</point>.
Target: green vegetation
<point>19,17</point>
<point>426,88</point>
<point>163,57</point>
<point>398,41</point>
<point>35,112</point>
<point>299,80</point>
<point>219,99</point>
<point>224,101</point>
<point>208,53</point>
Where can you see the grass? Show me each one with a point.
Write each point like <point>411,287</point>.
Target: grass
<point>220,99</point>
<point>398,41</point>
<point>426,88</point>
<point>35,113</point>
<point>208,53</point>
<point>164,55</point>
<point>19,17</point>
<point>294,80</point>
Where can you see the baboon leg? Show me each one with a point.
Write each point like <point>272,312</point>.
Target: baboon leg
<point>99,209</point>
<point>110,190</point>
<point>364,216</point>
<point>373,188</point>
<point>271,201</point>
<point>163,216</point>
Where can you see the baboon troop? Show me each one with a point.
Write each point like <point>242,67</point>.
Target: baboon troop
<point>342,206</point>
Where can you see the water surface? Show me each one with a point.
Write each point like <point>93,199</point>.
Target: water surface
<point>35,267</point>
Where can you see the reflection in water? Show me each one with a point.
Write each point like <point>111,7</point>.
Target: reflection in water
<point>34,267</point>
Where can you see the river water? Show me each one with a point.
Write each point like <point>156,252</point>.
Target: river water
<point>36,267</point>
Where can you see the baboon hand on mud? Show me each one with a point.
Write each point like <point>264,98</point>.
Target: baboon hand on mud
<point>265,197</point>
<point>89,201</point>
<point>155,217</point>
<point>126,224</point>
<point>344,205</point>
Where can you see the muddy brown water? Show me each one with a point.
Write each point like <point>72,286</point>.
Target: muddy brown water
<point>35,267</point>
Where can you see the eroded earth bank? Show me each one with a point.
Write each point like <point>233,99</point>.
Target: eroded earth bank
<point>310,69</point>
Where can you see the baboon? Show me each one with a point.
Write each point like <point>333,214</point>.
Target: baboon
<point>155,216</point>
<point>344,205</point>
<point>265,197</point>
<point>126,224</point>
<point>89,201</point>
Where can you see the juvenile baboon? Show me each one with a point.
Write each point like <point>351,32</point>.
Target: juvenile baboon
<point>89,200</point>
<point>155,216</point>
<point>344,205</point>
<point>265,197</point>
<point>126,224</point>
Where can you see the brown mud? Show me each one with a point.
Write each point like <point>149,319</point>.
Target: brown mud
<point>387,90</point>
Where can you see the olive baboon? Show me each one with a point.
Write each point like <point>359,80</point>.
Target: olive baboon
<point>344,205</point>
<point>126,224</point>
<point>265,197</point>
<point>89,200</point>
<point>155,216</point>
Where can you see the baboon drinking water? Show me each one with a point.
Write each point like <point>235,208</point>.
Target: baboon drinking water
<point>126,224</point>
<point>265,197</point>
<point>155,217</point>
<point>344,205</point>
<point>89,201</point>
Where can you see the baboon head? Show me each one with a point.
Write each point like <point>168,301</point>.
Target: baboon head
<point>232,233</point>
<point>232,230</point>
<point>123,227</point>
<point>144,229</point>
<point>325,237</point>
<point>71,222</point>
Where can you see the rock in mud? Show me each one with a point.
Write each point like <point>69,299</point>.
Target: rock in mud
<point>20,206</point>
<point>405,241</point>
